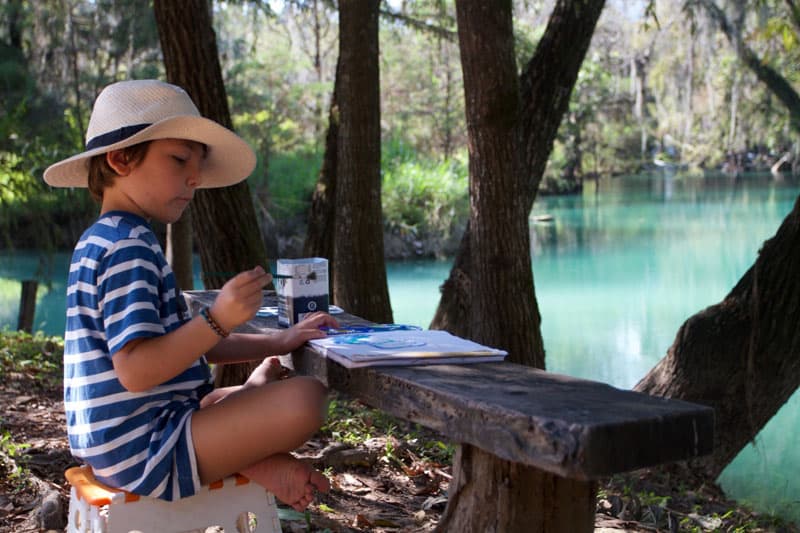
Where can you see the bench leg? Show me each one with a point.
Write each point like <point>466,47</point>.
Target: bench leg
<point>491,494</point>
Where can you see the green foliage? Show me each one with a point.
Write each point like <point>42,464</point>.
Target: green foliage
<point>10,448</point>
<point>279,84</point>
<point>350,423</point>
<point>651,498</point>
<point>421,86</point>
<point>31,213</point>
<point>353,423</point>
<point>289,182</point>
<point>36,355</point>
<point>776,38</point>
<point>421,195</point>
<point>11,461</point>
<point>279,92</point>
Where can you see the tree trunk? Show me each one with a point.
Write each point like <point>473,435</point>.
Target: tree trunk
<point>452,313</point>
<point>13,24</point>
<point>224,220</point>
<point>179,250</point>
<point>503,312</point>
<point>510,137</point>
<point>734,107</point>
<point>359,281</point>
<point>72,60</point>
<point>775,82</point>
<point>545,88</point>
<point>321,234</point>
<point>508,497</point>
<point>742,355</point>
<point>688,95</point>
<point>27,305</point>
<point>638,82</point>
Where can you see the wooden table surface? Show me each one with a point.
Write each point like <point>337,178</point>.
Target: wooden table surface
<point>567,426</point>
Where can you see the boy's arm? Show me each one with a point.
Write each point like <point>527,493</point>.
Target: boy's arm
<point>241,347</point>
<point>146,363</point>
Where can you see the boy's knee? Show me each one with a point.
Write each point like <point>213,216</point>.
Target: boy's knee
<point>311,387</point>
<point>312,396</point>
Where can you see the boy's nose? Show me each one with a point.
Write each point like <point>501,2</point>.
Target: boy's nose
<point>194,178</point>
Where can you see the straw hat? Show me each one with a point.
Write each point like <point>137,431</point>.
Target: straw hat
<point>131,112</point>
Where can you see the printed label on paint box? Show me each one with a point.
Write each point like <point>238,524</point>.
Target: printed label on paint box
<point>305,292</point>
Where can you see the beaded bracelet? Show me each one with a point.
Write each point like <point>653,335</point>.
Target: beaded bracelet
<point>206,313</point>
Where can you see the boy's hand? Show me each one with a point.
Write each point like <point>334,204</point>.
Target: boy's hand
<point>306,329</point>
<point>240,298</point>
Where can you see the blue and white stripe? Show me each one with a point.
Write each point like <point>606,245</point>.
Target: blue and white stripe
<point>121,289</point>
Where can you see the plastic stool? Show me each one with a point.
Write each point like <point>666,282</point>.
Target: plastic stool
<point>98,508</point>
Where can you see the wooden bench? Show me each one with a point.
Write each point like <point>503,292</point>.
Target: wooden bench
<point>554,435</point>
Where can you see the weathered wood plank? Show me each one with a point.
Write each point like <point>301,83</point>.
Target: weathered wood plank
<point>568,426</point>
<point>571,427</point>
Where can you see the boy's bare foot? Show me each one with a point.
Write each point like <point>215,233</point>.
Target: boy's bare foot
<point>291,481</point>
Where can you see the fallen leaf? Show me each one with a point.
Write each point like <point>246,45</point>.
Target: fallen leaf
<point>362,521</point>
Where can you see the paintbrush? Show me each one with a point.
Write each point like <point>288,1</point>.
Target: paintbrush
<point>274,276</point>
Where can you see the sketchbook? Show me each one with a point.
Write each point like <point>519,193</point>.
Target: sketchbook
<point>403,347</point>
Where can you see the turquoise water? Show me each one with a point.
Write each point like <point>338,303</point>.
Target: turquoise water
<point>616,274</point>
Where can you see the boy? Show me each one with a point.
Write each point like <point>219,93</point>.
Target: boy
<point>137,387</point>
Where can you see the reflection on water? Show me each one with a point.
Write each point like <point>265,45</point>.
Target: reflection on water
<point>616,274</point>
<point>50,269</point>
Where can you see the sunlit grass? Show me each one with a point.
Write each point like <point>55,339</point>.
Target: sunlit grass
<point>36,355</point>
<point>352,423</point>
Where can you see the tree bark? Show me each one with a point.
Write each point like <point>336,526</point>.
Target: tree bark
<point>504,310</point>
<point>179,250</point>
<point>224,220</point>
<point>544,87</point>
<point>742,355</point>
<point>13,24</point>
<point>359,281</point>
<point>27,305</point>
<point>321,234</point>
<point>520,498</point>
<point>510,136</point>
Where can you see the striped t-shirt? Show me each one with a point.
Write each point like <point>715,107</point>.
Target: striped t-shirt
<point>121,288</point>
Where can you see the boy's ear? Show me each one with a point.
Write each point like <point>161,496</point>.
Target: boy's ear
<point>118,161</point>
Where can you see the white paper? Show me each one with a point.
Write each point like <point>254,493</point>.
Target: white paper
<point>424,347</point>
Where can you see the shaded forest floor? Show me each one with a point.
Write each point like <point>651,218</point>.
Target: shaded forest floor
<point>386,474</point>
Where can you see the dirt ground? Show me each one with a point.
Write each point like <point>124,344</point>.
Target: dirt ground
<point>381,483</point>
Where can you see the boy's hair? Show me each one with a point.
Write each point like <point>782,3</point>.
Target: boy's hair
<point>101,175</point>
